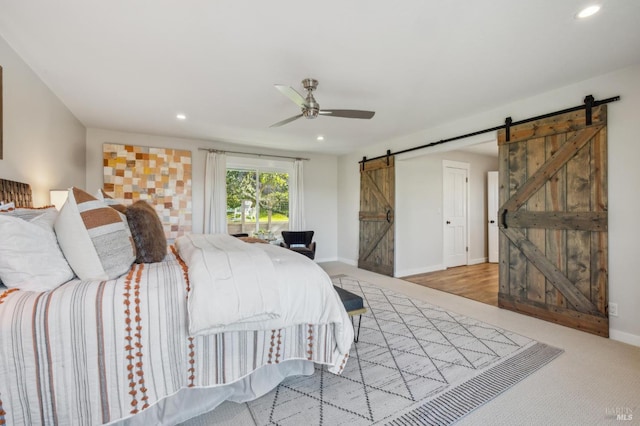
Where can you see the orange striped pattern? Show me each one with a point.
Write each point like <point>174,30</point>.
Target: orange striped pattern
<point>2,413</point>
<point>344,362</point>
<point>6,293</point>
<point>191,371</point>
<point>271,345</point>
<point>278,347</point>
<point>134,340</point>
<point>185,269</point>
<point>129,347</point>
<point>310,344</point>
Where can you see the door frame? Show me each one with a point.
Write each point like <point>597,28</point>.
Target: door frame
<point>493,184</point>
<point>467,167</point>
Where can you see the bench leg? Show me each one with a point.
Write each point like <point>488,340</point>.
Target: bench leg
<point>357,336</point>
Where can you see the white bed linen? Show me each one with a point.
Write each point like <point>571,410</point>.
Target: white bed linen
<point>306,294</point>
<point>94,352</point>
<point>231,282</point>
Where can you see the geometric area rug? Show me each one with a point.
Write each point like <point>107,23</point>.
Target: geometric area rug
<point>414,364</point>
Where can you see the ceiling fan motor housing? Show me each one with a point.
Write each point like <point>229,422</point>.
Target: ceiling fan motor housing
<point>312,109</point>
<point>310,84</point>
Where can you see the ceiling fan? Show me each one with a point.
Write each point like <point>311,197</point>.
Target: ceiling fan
<point>311,109</point>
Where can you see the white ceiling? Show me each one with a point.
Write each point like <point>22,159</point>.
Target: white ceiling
<point>132,65</point>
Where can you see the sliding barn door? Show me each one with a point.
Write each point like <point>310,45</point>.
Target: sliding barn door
<point>553,220</point>
<point>377,200</point>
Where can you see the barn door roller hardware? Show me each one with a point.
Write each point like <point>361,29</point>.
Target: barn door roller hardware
<point>507,128</point>
<point>589,104</point>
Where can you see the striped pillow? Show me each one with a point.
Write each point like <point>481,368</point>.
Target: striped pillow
<point>94,238</point>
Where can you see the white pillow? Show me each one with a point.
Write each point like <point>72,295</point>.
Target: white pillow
<point>30,258</point>
<point>94,238</point>
<point>7,206</point>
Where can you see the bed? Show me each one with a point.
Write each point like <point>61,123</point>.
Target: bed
<point>140,348</point>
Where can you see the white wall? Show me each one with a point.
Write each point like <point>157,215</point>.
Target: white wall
<point>43,142</point>
<point>419,221</point>
<point>320,180</point>
<point>624,178</point>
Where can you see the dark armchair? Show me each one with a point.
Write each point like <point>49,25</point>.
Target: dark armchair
<point>299,241</point>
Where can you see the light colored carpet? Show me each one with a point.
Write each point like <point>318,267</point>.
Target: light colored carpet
<point>593,380</point>
<point>415,363</point>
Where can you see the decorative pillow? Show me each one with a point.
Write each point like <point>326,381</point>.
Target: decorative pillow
<point>94,238</point>
<point>108,200</point>
<point>27,213</point>
<point>147,232</point>
<point>30,258</point>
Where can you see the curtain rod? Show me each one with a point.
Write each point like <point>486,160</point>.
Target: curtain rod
<point>255,154</point>
<point>589,103</point>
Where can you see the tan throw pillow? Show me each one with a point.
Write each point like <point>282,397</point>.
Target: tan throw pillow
<point>94,238</point>
<point>147,232</point>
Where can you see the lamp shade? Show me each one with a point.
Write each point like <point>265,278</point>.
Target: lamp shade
<point>58,197</point>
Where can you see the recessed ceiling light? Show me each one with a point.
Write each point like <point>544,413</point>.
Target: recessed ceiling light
<point>588,11</point>
<point>181,117</point>
<point>320,138</point>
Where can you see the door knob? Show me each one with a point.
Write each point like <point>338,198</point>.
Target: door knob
<point>448,222</point>
<point>492,221</point>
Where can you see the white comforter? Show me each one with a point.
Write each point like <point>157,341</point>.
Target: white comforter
<point>235,286</point>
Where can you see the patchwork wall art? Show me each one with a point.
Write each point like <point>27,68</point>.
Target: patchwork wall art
<point>160,176</point>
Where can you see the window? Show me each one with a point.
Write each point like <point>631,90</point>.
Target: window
<point>257,197</point>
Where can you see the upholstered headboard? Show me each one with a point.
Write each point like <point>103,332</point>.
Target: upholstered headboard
<point>18,192</point>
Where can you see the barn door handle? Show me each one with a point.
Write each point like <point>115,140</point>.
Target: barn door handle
<point>504,218</point>
<point>388,216</point>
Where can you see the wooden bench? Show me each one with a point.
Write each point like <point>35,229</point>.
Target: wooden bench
<point>354,305</point>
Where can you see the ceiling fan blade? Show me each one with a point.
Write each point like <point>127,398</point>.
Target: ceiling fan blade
<point>288,120</point>
<point>290,93</point>
<point>347,113</point>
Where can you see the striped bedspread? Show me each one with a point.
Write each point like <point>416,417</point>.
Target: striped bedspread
<point>93,352</point>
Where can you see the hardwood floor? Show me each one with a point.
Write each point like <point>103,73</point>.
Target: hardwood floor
<point>477,282</point>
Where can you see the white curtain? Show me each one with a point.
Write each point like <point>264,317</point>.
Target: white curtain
<point>215,193</point>
<point>296,198</point>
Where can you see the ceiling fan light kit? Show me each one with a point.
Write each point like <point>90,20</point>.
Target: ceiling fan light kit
<point>311,108</point>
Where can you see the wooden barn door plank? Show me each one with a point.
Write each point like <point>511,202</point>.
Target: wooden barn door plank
<point>556,200</point>
<point>599,241</point>
<point>503,241</point>
<point>517,260</point>
<point>536,203</point>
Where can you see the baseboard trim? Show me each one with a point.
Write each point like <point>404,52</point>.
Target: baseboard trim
<point>416,271</point>
<point>478,261</point>
<point>326,259</point>
<point>348,261</point>
<point>624,337</point>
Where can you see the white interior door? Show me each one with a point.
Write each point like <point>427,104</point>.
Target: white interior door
<point>455,212</point>
<point>492,215</point>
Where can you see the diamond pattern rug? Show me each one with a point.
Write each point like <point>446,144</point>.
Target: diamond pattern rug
<point>414,363</point>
